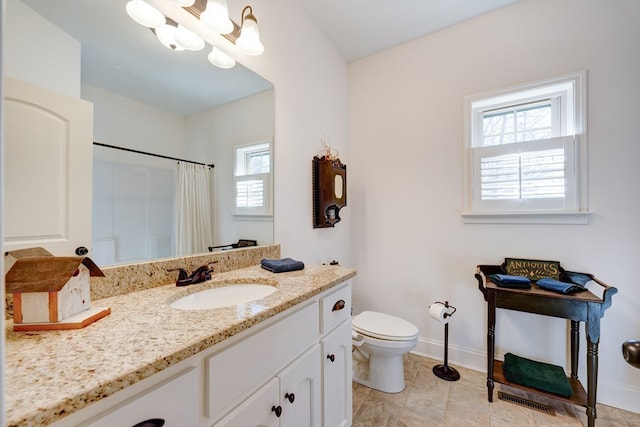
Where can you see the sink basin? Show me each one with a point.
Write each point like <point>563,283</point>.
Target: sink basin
<point>224,296</point>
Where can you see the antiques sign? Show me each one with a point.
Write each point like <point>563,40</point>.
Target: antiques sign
<point>533,269</point>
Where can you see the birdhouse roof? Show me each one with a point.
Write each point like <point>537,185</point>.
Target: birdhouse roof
<point>46,273</point>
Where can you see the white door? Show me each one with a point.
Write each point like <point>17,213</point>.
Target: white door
<point>336,375</point>
<point>48,145</point>
<point>300,391</point>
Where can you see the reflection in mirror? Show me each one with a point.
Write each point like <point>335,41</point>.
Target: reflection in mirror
<point>338,186</point>
<point>175,104</point>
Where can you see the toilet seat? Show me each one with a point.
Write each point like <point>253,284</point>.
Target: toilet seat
<point>384,326</point>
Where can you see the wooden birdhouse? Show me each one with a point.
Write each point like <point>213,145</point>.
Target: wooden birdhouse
<point>51,292</point>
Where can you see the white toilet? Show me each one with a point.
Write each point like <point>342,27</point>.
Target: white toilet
<point>379,342</point>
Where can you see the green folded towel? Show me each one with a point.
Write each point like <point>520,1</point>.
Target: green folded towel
<point>543,376</point>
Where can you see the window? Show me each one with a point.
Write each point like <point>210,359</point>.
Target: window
<point>252,179</point>
<point>522,154</point>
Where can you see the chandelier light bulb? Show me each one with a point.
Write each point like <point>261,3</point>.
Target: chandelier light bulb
<point>145,14</point>
<point>249,40</point>
<point>167,36</point>
<point>216,16</point>
<point>221,59</point>
<point>188,39</point>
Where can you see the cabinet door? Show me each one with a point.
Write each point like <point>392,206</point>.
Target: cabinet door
<point>300,391</point>
<point>336,375</point>
<point>48,169</point>
<point>259,410</point>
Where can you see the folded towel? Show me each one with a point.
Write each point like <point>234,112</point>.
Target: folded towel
<point>530,373</point>
<point>510,281</point>
<point>281,265</point>
<point>558,286</point>
<point>577,278</point>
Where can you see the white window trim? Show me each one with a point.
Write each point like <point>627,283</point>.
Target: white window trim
<point>263,213</point>
<point>569,204</point>
<point>580,214</point>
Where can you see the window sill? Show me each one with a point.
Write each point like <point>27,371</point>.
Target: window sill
<point>252,217</point>
<point>581,217</point>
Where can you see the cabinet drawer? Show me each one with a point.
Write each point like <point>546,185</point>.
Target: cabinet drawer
<point>234,373</point>
<point>173,400</point>
<point>335,308</point>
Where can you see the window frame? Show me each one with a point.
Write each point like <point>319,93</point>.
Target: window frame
<point>572,104</point>
<point>241,153</point>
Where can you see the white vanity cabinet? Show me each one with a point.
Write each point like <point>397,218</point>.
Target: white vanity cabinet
<point>320,379</point>
<point>292,370</point>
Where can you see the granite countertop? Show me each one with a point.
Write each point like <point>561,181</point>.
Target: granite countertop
<point>50,374</point>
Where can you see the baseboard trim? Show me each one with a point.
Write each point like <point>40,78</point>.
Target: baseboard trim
<point>616,395</point>
<point>619,396</point>
<point>460,356</point>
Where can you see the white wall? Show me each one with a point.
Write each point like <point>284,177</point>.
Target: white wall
<point>405,142</point>
<point>123,122</point>
<point>39,52</point>
<point>212,136</point>
<point>310,79</point>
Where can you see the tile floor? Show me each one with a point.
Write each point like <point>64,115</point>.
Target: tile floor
<point>429,401</point>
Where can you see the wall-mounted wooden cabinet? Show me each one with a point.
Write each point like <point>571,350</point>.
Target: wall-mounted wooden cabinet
<point>329,191</point>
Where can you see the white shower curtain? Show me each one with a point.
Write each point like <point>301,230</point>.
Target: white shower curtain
<point>193,209</point>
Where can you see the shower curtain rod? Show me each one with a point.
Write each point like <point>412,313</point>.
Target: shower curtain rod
<point>131,150</point>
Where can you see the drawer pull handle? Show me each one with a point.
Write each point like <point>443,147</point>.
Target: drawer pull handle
<point>290,396</point>
<point>277,410</point>
<point>331,357</point>
<point>339,305</point>
<point>154,422</point>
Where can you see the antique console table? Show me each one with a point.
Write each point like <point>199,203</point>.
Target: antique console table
<point>579,307</point>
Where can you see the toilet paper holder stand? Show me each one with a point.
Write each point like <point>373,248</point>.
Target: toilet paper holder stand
<point>445,371</point>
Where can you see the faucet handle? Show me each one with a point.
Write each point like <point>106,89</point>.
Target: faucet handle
<point>183,278</point>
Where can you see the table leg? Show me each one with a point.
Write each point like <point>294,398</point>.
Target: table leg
<point>491,345</point>
<point>592,327</point>
<point>592,380</point>
<point>575,348</point>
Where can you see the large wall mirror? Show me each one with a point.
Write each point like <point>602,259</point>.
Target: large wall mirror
<point>151,99</point>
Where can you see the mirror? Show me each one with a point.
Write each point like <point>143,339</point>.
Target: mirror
<point>338,186</point>
<point>151,99</point>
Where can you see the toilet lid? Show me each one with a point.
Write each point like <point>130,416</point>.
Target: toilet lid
<point>384,326</point>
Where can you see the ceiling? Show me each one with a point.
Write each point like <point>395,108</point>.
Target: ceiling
<point>359,28</point>
<point>185,83</point>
